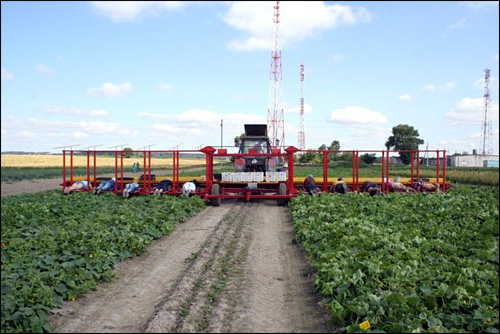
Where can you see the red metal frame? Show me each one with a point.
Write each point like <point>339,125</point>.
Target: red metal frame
<point>265,190</point>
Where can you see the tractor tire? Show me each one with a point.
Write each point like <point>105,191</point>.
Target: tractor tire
<point>215,191</point>
<point>282,191</point>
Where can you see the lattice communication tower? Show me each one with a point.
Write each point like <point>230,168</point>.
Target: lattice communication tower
<point>486,134</point>
<point>275,117</point>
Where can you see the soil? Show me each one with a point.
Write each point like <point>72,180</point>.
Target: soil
<point>233,268</point>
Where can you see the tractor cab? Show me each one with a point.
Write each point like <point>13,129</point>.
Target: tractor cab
<point>255,141</point>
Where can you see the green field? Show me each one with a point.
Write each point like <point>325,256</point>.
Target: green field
<point>405,263</point>
<point>57,247</point>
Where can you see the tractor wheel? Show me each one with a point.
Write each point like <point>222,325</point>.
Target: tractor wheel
<point>215,191</point>
<point>282,191</point>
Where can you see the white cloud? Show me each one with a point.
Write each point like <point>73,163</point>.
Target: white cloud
<point>405,97</point>
<point>481,5</point>
<point>109,89</point>
<point>42,69</point>
<point>243,98</point>
<point>72,111</point>
<point>459,25</point>
<point>298,20</point>
<point>153,116</point>
<point>336,57</point>
<point>61,110</point>
<point>496,58</point>
<point>80,135</point>
<point>27,134</point>
<point>430,88</point>
<point>59,58</point>
<point>6,75</point>
<point>470,111</point>
<point>165,127</point>
<point>493,84</point>
<point>164,86</point>
<point>98,112</point>
<point>131,10</point>
<point>296,110</point>
<point>356,115</point>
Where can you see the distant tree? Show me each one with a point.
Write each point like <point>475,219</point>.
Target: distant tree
<point>306,157</point>
<point>322,147</point>
<point>334,146</point>
<point>368,158</point>
<point>237,140</point>
<point>404,137</point>
<point>127,152</point>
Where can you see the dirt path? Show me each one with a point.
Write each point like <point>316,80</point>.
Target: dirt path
<point>233,268</point>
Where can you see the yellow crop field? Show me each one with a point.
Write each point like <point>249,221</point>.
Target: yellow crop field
<point>21,160</point>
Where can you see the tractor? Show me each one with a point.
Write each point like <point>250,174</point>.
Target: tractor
<point>255,141</point>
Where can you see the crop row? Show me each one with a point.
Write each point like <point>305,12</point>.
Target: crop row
<point>396,263</point>
<point>57,247</point>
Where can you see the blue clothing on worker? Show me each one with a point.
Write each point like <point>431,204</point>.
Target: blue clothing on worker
<point>107,185</point>
<point>132,186</point>
<point>164,185</point>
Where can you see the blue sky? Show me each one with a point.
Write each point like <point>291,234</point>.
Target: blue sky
<point>165,73</point>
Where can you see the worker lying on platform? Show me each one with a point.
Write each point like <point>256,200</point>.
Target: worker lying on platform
<point>423,186</point>
<point>310,185</point>
<point>131,187</point>
<point>105,186</point>
<point>162,187</point>
<point>190,188</point>
<point>340,187</point>
<point>396,186</point>
<point>78,185</point>
<point>371,188</point>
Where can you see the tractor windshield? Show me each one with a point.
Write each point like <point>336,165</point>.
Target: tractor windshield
<point>259,145</point>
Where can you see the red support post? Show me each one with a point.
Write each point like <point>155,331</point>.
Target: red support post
<point>144,179</point>
<point>356,168</point>
<point>71,169</point>
<point>383,169</point>
<point>149,170</point>
<point>418,166</point>
<point>291,150</point>
<point>444,171</point>
<point>116,171</point>
<point>325,171</point>
<point>121,170</point>
<point>88,170</point>
<point>209,167</point>
<point>95,168</point>
<point>412,165</point>
<point>64,169</point>
<point>437,166</point>
<point>387,173</point>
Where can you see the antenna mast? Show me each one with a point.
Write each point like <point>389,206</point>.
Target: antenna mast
<point>302,132</point>
<point>275,118</point>
<point>486,124</point>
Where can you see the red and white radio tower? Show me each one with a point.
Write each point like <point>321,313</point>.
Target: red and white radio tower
<point>486,124</point>
<point>302,133</point>
<point>275,118</point>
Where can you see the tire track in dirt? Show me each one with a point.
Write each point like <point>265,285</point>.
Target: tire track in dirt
<point>128,303</point>
<point>232,268</point>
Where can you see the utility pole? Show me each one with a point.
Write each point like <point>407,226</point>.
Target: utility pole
<point>221,131</point>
